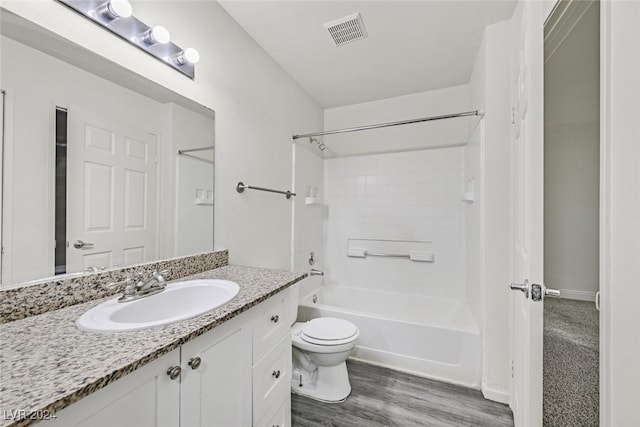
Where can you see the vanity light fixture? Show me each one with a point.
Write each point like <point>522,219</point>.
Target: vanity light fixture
<point>115,9</point>
<point>187,56</point>
<point>117,17</point>
<point>157,34</point>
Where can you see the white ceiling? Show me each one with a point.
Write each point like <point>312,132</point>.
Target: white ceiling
<point>413,46</point>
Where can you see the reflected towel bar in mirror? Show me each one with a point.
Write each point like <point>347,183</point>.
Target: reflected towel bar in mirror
<point>241,187</point>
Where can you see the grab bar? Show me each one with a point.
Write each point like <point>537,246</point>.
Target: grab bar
<point>242,186</point>
<point>413,256</point>
<point>388,255</point>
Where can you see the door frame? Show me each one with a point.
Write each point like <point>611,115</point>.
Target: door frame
<point>605,142</point>
<point>619,207</point>
<point>604,205</point>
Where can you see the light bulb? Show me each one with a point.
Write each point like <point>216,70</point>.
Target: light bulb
<point>115,9</point>
<point>157,34</point>
<point>188,56</point>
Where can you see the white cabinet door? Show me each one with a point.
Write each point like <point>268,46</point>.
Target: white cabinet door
<point>145,398</point>
<point>272,379</point>
<point>271,322</point>
<point>217,391</point>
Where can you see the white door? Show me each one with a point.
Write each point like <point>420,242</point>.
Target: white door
<point>111,192</point>
<point>527,219</point>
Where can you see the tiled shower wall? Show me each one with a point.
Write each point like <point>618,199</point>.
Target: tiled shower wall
<point>397,196</point>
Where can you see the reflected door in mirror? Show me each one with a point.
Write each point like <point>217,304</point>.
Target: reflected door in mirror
<point>111,192</point>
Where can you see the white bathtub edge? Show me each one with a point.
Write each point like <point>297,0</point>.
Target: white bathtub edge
<point>410,365</point>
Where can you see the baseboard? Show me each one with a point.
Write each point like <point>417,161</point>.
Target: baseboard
<point>494,394</point>
<point>579,295</point>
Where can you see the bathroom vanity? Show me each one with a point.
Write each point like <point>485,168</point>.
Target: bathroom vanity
<point>228,367</point>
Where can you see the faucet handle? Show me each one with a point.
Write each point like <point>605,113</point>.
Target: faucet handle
<point>127,281</point>
<point>130,284</point>
<point>159,274</point>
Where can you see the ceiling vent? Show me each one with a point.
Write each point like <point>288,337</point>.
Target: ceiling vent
<point>346,30</point>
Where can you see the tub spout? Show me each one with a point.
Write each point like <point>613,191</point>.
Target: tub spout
<point>315,272</point>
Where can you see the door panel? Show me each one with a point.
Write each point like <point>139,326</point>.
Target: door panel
<point>527,221</point>
<point>98,197</point>
<point>111,192</point>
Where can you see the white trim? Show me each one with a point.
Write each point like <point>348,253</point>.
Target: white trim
<point>2,116</point>
<point>578,295</point>
<point>562,20</point>
<point>495,394</point>
<point>605,204</point>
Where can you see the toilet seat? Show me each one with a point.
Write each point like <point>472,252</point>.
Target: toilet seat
<point>329,331</point>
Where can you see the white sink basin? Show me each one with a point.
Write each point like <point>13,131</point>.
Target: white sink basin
<point>179,301</point>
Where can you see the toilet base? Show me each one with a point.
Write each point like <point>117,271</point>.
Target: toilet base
<point>329,384</point>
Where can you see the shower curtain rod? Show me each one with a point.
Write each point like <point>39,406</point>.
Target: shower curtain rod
<point>384,125</point>
<point>189,150</point>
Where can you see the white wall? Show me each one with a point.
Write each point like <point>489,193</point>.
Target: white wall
<point>571,159</point>
<point>473,212</point>
<point>489,91</point>
<point>433,134</point>
<point>258,108</point>
<point>308,218</point>
<point>620,236</point>
<point>193,223</point>
<point>413,196</point>
<point>398,195</point>
<point>194,206</point>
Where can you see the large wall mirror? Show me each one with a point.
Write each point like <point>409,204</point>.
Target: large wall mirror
<point>101,168</point>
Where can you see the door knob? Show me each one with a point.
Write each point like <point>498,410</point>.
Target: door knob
<point>537,292</point>
<point>80,244</point>
<point>524,287</point>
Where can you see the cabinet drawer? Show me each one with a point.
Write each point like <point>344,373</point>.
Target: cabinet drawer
<point>271,323</point>
<point>272,378</point>
<point>280,417</point>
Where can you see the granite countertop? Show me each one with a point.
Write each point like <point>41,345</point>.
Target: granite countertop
<point>47,363</point>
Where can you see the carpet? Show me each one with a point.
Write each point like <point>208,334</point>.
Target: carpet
<point>571,368</point>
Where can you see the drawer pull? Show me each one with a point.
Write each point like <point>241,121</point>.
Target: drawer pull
<point>276,374</point>
<point>194,362</point>
<point>275,318</point>
<point>174,372</point>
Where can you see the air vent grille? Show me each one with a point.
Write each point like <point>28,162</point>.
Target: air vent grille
<point>346,30</point>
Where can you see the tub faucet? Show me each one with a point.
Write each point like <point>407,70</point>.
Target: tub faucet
<point>315,272</point>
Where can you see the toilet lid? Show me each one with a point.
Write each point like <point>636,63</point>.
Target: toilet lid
<point>329,329</point>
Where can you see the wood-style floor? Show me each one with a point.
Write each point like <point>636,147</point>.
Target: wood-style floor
<point>383,397</point>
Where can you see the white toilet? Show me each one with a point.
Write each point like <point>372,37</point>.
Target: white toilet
<point>320,350</point>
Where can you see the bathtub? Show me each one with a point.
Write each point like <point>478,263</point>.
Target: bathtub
<point>426,336</point>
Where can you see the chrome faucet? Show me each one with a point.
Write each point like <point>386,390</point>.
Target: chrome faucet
<point>136,287</point>
<point>156,281</point>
